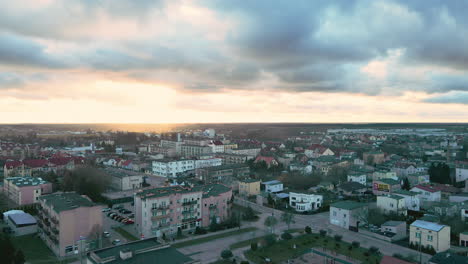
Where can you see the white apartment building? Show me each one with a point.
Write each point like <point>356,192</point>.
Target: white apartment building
<point>211,162</point>
<point>357,177</point>
<point>411,199</point>
<point>391,204</point>
<point>303,202</point>
<point>430,234</point>
<point>172,168</point>
<point>461,172</point>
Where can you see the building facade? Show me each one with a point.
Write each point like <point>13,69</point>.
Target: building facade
<point>303,202</point>
<point>348,214</point>
<point>248,187</point>
<point>430,234</point>
<point>25,190</point>
<point>171,168</point>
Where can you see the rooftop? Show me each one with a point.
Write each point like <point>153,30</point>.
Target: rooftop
<point>66,201</point>
<point>448,258</point>
<point>273,182</point>
<point>428,225</point>
<point>22,219</point>
<point>389,181</point>
<point>393,223</point>
<point>249,180</point>
<point>348,205</point>
<point>26,181</point>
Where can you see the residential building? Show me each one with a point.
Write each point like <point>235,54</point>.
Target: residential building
<point>273,186</point>
<point>229,158</point>
<point>174,145</point>
<point>25,190</point>
<point>391,204</point>
<point>190,151</point>
<point>138,252</point>
<point>249,152</point>
<point>461,172</point>
<point>269,161</point>
<point>403,169</point>
<point>357,177</point>
<point>351,189</point>
<point>463,239</point>
<point>411,199</point>
<point>123,180</point>
<point>385,186</point>
<point>430,234</point>
<point>163,210</point>
<point>208,162</point>
<point>216,146</point>
<point>22,224</point>
<point>397,229</point>
<point>373,157</point>
<point>248,187</point>
<point>316,150</point>
<point>464,213</point>
<point>303,202</point>
<point>427,193</point>
<point>224,174</point>
<point>381,174</point>
<point>68,222</point>
<point>348,214</point>
<point>172,168</point>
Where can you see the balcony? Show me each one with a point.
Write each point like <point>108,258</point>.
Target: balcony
<point>54,220</point>
<point>213,206</point>
<point>191,219</point>
<point>46,222</point>
<point>55,230</point>
<point>160,207</point>
<point>156,217</point>
<point>189,202</point>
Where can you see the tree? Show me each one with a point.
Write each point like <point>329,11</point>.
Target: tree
<point>356,244</point>
<point>270,240</point>
<point>214,226</point>
<point>287,218</point>
<point>226,254</point>
<point>337,174</point>
<point>88,181</point>
<point>406,184</point>
<point>270,222</point>
<point>338,238</point>
<point>179,232</point>
<point>308,230</point>
<point>286,236</point>
<point>254,246</point>
<point>249,214</point>
<point>19,257</point>
<point>323,233</point>
<point>440,173</point>
<point>271,202</point>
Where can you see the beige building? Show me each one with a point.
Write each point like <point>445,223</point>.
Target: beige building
<point>69,222</point>
<point>430,234</point>
<point>391,204</point>
<point>249,187</point>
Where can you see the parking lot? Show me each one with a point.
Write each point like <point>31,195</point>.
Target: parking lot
<point>109,224</point>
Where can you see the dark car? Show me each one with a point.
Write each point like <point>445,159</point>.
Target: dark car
<point>127,212</point>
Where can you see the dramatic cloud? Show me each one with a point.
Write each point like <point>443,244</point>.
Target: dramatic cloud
<point>204,48</point>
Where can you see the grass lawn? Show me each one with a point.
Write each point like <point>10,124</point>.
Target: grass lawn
<point>213,237</point>
<point>125,234</point>
<point>246,243</point>
<point>283,249</point>
<point>34,249</point>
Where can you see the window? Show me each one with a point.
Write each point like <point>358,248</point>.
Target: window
<point>334,213</point>
<point>418,235</point>
<point>429,238</point>
<point>68,249</point>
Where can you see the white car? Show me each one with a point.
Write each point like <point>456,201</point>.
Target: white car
<point>105,210</point>
<point>116,242</point>
<point>106,234</point>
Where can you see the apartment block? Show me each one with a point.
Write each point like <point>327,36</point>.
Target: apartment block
<point>69,222</point>
<point>25,190</point>
<point>172,168</point>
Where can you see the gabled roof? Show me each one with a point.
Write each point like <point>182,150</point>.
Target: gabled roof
<point>36,163</point>
<point>426,188</point>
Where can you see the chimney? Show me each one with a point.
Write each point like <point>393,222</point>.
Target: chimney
<point>125,254</point>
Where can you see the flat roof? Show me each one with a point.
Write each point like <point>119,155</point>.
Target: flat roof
<point>428,225</point>
<point>348,205</point>
<point>26,181</point>
<point>66,201</point>
<point>273,182</point>
<point>22,219</point>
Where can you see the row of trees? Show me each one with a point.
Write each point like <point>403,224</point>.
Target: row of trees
<point>8,253</point>
<point>440,173</point>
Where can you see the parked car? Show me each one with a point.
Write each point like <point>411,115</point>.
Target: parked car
<point>131,216</point>
<point>116,242</point>
<point>105,210</point>
<point>106,234</point>
<point>127,212</point>
<point>129,222</point>
<point>118,207</point>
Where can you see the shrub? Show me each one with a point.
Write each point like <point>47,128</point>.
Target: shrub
<point>286,236</point>
<point>270,240</point>
<point>356,244</point>
<point>338,238</point>
<point>225,254</point>
<point>254,246</point>
<point>244,262</point>
<point>308,230</point>
<point>374,250</point>
<point>179,232</point>
<point>323,232</point>
<point>200,231</point>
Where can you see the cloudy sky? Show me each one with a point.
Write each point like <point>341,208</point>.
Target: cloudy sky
<point>156,61</point>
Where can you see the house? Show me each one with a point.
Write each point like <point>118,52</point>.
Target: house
<point>25,190</point>
<point>391,204</point>
<point>464,213</point>
<point>163,210</point>
<point>248,187</point>
<point>68,222</point>
<point>458,198</point>
<point>140,251</point>
<point>396,228</point>
<point>301,167</point>
<point>357,177</point>
<point>303,202</point>
<point>348,214</point>
<point>316,150</point>
<point>385,186</point>
<point>403,169</point>
<point>273,186</point>
<point>22,224</point>
<point>443,208</point>
<point>427,193</point>
<point>384,174</point>
<point>352,189</point>
<point>411,199</point>
<point>430,234</point>
<point>270,161</point>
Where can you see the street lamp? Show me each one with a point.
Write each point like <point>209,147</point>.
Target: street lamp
<point>420,254</point>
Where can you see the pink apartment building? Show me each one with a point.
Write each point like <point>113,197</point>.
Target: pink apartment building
<point>163,210</point>
<point>25,190</point>
<point>68,222</point>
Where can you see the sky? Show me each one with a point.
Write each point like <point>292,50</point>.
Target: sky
<point>180,61</point>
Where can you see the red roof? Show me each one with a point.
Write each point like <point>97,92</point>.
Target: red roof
<point>268,160</point>
<point>60,161</point>
<point>218,143</point>
<point>127,162</point>
<point>13,164</point>
<point>36,163</point>
<point>427,188</point>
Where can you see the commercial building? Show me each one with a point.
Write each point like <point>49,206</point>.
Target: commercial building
<point>69,222</point>
<point>190,151</point>
<point>430,234</point>
<point>208,162</point>
<point>248,187</point>
<point>124,180</point>
<point>25,190</point>
<point>22,224</point>
<point>224,174</point>
<point>348,214</point>
<point>139,252</point>
<point>385,186</point>
<point>172,168</point>
<point>303,202</point>
<point>164,210</point>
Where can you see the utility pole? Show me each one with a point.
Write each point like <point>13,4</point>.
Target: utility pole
<point>420,254</point>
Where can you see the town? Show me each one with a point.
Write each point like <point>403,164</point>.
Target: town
<point>235,193</point>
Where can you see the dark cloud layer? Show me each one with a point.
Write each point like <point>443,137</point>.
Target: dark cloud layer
<point>302,45</point>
